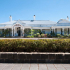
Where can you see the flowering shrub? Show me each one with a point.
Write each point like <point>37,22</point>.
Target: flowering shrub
<point>49,35</point>
<point>39,36</point>
<point>42,35</point>
<point>45,35</point>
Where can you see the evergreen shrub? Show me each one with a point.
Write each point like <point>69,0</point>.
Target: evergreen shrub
<point>58,35</point>
<point>69,35</point>
<point>42,45</point>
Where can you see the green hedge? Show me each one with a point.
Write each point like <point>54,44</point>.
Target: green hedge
<point>23,45</point>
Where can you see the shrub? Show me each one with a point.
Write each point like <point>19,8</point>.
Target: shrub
<point>42,35</point>
<point>58,35</point>
<point>69,35</point>
<point>39,36</point>
<point>65,35</point>
<point>49,35</point>
<point>32,36</point>
<point>43,45</point>
<point>35,35</point>
<point>28,36</point>
<point>45,35</point>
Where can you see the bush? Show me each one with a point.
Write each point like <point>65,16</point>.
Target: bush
<point>45,35</point>
<point>35,35</point>
<point>28,36</point>
<point>39,36</point>
<point>49,35</point>
<point>32,36</point>
<point>42,35</point>
<point>58,35</point>
<point>69,35</point>
<point>43,45</point>
<point>65,35</point>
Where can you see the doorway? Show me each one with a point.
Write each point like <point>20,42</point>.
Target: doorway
<point>19,31</point>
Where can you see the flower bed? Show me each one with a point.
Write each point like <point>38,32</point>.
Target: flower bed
<point>22,45</point>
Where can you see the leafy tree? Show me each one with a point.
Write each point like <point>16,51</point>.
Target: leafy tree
<point>32,32</point>
<point>6,31</point>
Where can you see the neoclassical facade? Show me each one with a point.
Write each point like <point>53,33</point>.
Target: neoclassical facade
<point>17,27</point>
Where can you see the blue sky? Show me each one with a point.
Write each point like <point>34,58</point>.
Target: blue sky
<point>25,9</point>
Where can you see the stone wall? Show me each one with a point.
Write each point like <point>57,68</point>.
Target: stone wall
<point>22,57</point>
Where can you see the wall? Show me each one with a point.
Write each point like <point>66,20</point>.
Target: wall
<point>58,31</point>
<point>34,57</point>
<point>46,31</point>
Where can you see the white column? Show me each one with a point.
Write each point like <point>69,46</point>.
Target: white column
<point>63,30</point>
<point>23,32</point>
<point>41,30</point>
<point>12,32</point>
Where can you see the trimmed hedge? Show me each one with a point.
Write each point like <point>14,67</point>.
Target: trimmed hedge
<point>43,45</point>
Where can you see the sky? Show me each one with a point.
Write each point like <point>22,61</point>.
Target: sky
<point>25,9</point>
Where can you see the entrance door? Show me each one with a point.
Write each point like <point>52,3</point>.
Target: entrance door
<point>19,31</point>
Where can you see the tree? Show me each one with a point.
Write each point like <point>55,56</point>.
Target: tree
<point>6,31</point>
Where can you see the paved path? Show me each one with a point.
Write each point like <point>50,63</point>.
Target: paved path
<point>11,66</point>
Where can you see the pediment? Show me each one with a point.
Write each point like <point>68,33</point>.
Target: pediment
<point>17,24</point>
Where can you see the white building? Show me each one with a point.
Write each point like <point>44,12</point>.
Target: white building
<point>17,27</point>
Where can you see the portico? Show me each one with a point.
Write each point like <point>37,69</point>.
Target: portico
<point>17,30</point>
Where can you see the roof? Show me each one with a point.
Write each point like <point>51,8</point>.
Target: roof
<point>37,23</point>
<point>31,22</point>
<point>63,22</point>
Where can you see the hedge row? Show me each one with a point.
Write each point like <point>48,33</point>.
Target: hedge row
<point>22,45</point>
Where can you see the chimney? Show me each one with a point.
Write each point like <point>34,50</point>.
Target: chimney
<point>34,17</point>
<point>67,18</point>
<point>10,18</point>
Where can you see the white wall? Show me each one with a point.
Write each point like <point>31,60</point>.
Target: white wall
<point>47,31</point>
<point>58,31</point>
